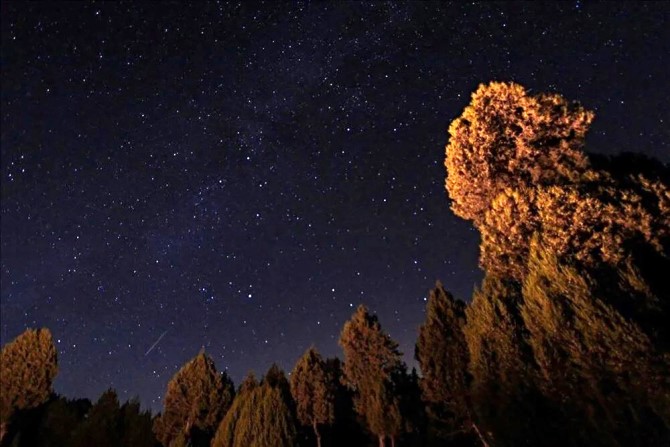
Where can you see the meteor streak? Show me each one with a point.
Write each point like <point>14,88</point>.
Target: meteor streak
<point>155,343</point>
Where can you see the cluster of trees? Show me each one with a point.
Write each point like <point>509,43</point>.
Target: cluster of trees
<point>565,342</point>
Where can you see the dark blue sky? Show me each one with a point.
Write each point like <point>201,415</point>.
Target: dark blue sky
<point>243,176</point>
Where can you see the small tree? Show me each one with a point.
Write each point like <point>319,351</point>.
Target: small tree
<point>371,363</point>
<point>313,391</point>
<point>28,365</point>
<point>197,398</point>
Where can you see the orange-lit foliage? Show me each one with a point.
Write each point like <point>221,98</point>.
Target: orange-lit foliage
<point>442,354</point>
<point>515,167</point>
<point>372,364</point>
<point>28,366</point>
<point>197,398</point>
<point>596,366</point>
<point>507,138</point>
<point>313,390</point>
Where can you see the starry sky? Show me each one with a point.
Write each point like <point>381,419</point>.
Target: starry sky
<point>242,176</point>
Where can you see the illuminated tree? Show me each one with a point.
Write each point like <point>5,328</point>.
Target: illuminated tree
<point>506,138</point>
<point>596,366</point>
<point>313,390</point>
<point>500,364</point>
<point>261,415</point>
<point>372,364</point>
<point>442,354</point>
<point>516,168</point>
<point>197,398</point>
<point>28,365</point>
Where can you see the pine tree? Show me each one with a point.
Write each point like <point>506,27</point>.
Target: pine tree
<point>197,398</point>
<point>371,363</point>
<point>28,365</point>
<point>313,391</point>
<point>442,354</point>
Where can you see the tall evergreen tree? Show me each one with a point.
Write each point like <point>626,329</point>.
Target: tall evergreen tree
<point>226,433</point>
<point>197,398</point>
<point>261,415</point>
<point>371,363</point>
<point>606,379</point>
<point>313,390</point>
<point>28,365</point>
<point>442,354</point>
<point>501,389</point>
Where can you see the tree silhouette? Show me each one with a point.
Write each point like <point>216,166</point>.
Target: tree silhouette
<point>313,390</point>
<point>197,398</point>
<point>371,363</point>
<point>28,365</point>
<point>442,354</point>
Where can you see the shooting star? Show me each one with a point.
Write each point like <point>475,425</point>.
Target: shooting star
<point>155,343</point>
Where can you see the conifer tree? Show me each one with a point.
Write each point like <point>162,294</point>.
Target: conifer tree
<point>516,168</point>
<point>28,365</point>
<point>102,426</point>
<point>371,363</point>
<point>599,368</point>
<point>226,435</point>
<point>313,390</point>
<point>501,389</point>
<point>197,398</point>
<point>442,354</point>
<point>261,415</point>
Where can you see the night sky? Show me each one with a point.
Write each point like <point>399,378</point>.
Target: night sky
<point>241,177</point>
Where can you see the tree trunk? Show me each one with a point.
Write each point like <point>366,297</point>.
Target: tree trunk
<point>316,432</point>
<point>382,441</point>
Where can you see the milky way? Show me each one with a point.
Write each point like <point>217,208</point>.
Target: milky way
<point>241,177</point>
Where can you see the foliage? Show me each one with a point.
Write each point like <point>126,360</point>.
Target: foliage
<point>516,168</point>
<point>442,355</point>
<point>601,367</point>
<point>261,415</point>
<point>28,365</point>
<point>372,364</point>
<point>197,398</point>
<point>313,390</point>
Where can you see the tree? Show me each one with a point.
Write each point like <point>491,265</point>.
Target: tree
<point>506,138</point>
<point>226,435</point>
<point>502,390</point>
<point>102,426</point>
<point>261,415</point>
<point>28,365</point>
<point>372,362</point>
<point>608,382</point>
<point>313,391</point>
<point>197,398</point>
<point>442,354</point>
<point>516,168</point>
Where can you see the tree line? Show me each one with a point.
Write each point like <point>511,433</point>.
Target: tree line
<point>565,341</point>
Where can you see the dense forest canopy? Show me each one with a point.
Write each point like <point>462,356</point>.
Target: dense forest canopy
<point>565,341</point>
